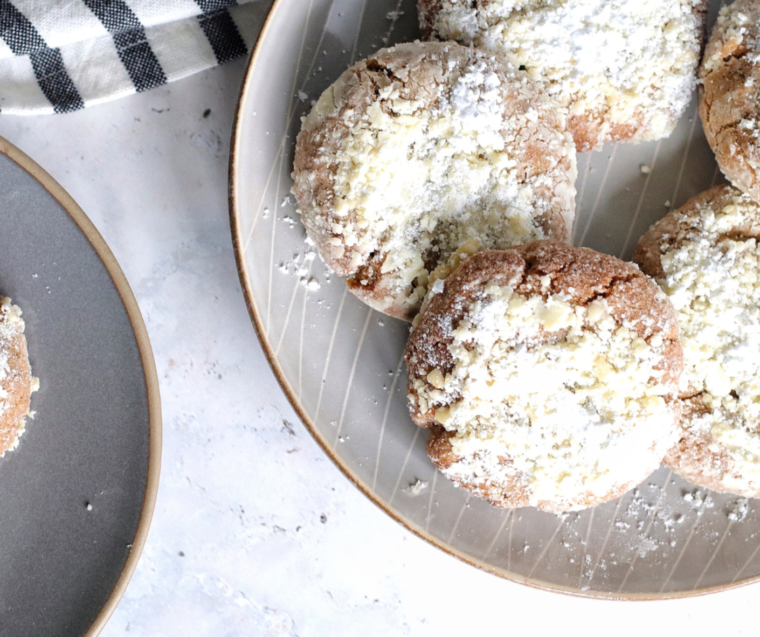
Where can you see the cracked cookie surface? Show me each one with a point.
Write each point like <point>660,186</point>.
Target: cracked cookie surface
<point>624,69</point>
<point>705,256</point>
<point>423,148</point>
<point>547,375</point>
<point>730,93</point>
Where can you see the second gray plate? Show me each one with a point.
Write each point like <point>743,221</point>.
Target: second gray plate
<point>95,439</point>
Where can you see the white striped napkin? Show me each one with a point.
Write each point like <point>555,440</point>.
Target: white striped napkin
<point>58,56</point>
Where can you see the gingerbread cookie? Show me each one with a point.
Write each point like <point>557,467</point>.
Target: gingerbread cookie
<point>424,148</point>
<point>548,376</point>
<point>730,93</point>
<point>624,69</point>
<point>706,258</point>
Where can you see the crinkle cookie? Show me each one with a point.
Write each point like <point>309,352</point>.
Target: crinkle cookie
<point>16,381</point>
<point>424,148</point>
<point>625,69</point>
<point>547,375</point>
<point>705,256</point>
<point>730,94</point>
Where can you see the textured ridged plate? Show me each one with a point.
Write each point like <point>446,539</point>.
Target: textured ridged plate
<point>78,493</point>
<point>340,363</point>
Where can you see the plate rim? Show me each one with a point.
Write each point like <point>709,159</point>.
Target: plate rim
<point>269,353</point>
<point>147,360</point>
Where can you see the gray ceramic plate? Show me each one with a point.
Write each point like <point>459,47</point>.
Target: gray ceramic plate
<point>340,363</point>
<point>96,435</point>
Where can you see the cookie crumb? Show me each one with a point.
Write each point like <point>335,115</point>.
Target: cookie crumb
<point>415,488</point>
<point>738,510</point>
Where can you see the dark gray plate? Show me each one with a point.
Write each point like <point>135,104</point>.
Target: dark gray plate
<point>95,438</point>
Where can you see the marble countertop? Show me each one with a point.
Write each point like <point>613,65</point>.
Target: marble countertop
<point>256,532</point>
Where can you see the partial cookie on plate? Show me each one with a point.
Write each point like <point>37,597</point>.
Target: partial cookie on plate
<point>705,256</point>
<point>548,376</point>
<point>421,149</point>
<point>16,380</point>
<point>729,102</point>
<point>625,69</point>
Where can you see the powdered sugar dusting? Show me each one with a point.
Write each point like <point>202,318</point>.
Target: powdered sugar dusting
<point>11,324</point>
<point>575,401</point>
<point>631,63</point>
<point>438,158</point>
<point>713,280</point>
<point>11,327</point>
<point>735,28</point>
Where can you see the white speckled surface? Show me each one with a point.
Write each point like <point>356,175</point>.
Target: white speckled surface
<point>255,531</point>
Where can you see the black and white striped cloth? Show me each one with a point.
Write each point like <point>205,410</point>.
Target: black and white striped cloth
<point>58,56</point>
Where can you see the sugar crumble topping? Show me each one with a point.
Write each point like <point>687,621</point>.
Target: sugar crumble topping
<point>713,281</point>
<point>417,178</point>
<point>630,62</point>
<point>562,396</point>
<point>735,28</point>
<point>11,325</point>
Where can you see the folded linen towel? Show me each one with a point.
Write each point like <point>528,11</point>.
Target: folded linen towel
<point>58,56</point>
